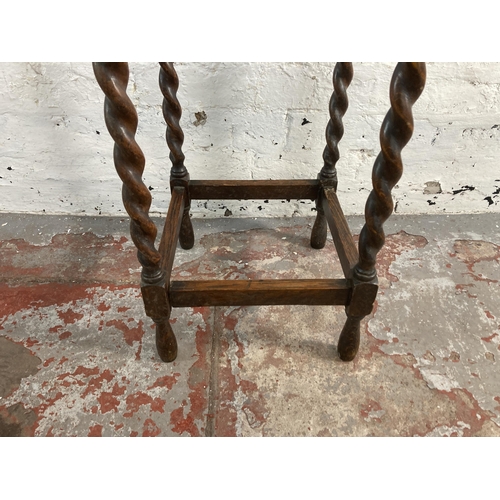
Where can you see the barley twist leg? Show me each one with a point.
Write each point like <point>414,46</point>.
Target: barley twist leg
<point>407,84</point>
<point>179,176</point>
<point>342,77</point>
<point>121,122</point>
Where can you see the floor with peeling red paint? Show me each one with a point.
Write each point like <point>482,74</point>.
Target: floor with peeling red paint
<point>78,358</point>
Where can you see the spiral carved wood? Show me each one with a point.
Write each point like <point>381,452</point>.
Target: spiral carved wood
<point>172,111</point>
<point>407,84</point>
<point>121,121</point>
<point>342,77</point>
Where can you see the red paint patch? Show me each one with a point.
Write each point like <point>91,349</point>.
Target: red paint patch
<point>48,402</point>
<point>167,381</point>
<point>150,429</point>
<point>95,431</point>
<point>96,383</point>
<point>130,334</point>
<point>138,353</point>
<point>69,316</point>
<point>465,288</point>
<point>181,424</point>
<point>230,322</point>
<point>48,361</point>
<point>490,338</point>
<point>109,401</point>
<point>135,401</point>
<point>86,372</point>
<point>29,342</point>
<point>65,335</point>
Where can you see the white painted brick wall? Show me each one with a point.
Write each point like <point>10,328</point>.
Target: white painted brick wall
<point>56,154</point>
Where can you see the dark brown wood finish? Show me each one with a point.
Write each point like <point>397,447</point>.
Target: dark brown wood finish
<point>121,120</point>
<point>179,175</point>
<point>254,190</point>
<point>408,81</point>
<point>357,292</point>
<point>407,84</point>
<point>341,234</point>
<point>171,230</point>
<point>259,293</point>
<point>155,296</point>
<point>342,77</point>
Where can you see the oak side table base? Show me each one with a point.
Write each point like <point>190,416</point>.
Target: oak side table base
<point>357,291</point>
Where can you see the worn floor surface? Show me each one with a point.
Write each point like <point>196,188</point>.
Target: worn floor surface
<point>77,355</point>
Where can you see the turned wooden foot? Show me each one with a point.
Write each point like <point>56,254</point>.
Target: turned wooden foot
<point>186,235</point>
<point>349,339</point>
<point>166,343</point>
<point>319,230</point>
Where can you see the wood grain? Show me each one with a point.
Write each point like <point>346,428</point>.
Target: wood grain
<point>259,292</point>
<point>341,234</point>
<point>171,231</point>
<point>254,190</point>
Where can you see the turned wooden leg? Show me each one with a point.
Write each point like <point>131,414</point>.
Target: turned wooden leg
<point>166,343</point>
<point>186,236</point>
<point>407,84</point>
<point>319,230</point>
<point>121,121</point>
<point>349,338</point>
<point>179,175</point>
<point>363,298</point>
<point>159,301</point>
<point>342,77</point>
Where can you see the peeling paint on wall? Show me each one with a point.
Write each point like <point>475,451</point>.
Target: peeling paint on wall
<point>246,121</point>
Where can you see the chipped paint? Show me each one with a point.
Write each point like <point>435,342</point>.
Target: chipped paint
<point>83,390</point>
<point>244,120</point>
<point>426,366</point>
<point>458,326</point>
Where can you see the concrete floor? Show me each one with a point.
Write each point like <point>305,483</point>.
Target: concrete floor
<point>77,354</point>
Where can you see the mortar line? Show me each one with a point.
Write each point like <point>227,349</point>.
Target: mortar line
<point>213,383</point>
